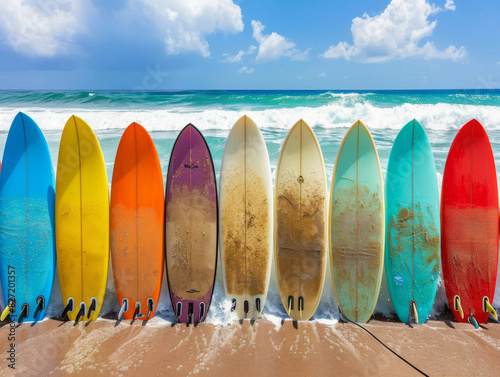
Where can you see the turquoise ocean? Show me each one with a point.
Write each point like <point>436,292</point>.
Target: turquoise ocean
<point>329,113</point>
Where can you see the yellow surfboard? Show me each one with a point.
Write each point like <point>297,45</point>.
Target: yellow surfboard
<point>82,221</point>
<point>300,233</point>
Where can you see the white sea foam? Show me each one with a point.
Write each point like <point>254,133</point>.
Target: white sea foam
<point>440,116</point>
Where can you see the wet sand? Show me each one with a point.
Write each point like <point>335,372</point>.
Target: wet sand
<point>158,348</point>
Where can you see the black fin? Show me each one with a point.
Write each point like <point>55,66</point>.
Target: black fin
<point>92,307</point>
<point>67,309</point>
<point>137,311</point>
<point>202,310</point>
<point>25,308</point>
<point>150,306</point>
<point>179,311</point>
<point>290,303</point>
<point>301,303</point>
<point>81,312</point>
<point>190,315</point>
<point>40,305</point>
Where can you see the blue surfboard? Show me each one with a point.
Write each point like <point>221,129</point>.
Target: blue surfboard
<point>412,225</point>
<point>27,247</point>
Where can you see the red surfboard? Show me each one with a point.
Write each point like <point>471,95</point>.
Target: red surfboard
<point>470,224</point>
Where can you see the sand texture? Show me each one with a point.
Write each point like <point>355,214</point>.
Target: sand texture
<point>158,348</point>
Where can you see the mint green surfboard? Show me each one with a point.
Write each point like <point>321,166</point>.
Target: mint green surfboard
<point>412,221</point>
<point>357,225</point>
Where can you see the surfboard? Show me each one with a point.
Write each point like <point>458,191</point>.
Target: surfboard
<point>191,226</point>
<point>136,224</point>
<point>82,221</point>
<point>357,225</point>
<point>470,221</point>
<point>412,221</point>
<point>300,222</point>
<point>27,249</point>
<point>246,198</point>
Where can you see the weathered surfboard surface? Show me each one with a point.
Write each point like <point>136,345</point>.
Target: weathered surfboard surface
<point>357,225</point>
<point>300,222</point>
<point>246,219</point>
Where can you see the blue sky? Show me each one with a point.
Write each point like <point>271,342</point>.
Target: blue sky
<point>243,44</point>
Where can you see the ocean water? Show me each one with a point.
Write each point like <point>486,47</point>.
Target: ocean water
<point>329,113</point>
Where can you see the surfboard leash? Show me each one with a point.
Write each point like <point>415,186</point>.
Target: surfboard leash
<point>387,347</point>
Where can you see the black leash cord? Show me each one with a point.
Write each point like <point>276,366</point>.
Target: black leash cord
<point>394,353</point>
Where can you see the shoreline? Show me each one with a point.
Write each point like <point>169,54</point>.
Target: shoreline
<point>241,348</point>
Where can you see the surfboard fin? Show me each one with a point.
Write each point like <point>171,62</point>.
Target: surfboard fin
<point>123,308</point>
<point>301,306</point>
<point>233,305</point>
<point>68,308</point>
<point>25,308</point>
<point>290,305</point>
<point>473,322</point>
<point>489,309</point>
<point>202,310</point>
<point>10,308</point>
<point>136,312</point>
<point>92,307</point>
<point>178,311</point>
<point>458,306</point>
<point>151,306</point>
<point>413,312</point>
<point>246,307</point>
<point>190,315</point>
<point>81,312</point>
<point>257,304</point>
<point>5,313</point>
<point>40,305</point>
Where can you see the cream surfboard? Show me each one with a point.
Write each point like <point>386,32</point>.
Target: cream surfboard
<point>245,204</point>
<point>300,233</point>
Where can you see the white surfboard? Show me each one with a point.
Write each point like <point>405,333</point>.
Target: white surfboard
<point>245,202</point>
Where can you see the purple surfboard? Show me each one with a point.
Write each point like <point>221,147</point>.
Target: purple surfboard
<point>191,226</point>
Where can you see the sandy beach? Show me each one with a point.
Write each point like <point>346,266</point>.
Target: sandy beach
<point>159,348</point>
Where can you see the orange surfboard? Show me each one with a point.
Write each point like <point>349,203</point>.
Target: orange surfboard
<point>137,222</point>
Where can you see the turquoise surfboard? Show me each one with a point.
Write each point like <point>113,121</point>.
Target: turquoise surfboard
<point>27,251</point>
<point>412,222</point>
<point>357,225</point>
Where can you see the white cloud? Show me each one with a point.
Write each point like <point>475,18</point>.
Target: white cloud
<point>450,5</point>
<point>184,24</point>
<point>395,34</point>
<point>48,27</point>
<point>322,74</point>
<point>41,27</point>
<point>274,46</point>
<point>239,56</point>
<point>245,69</point>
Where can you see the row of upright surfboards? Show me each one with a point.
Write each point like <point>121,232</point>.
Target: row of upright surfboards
<point>76,223</point>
